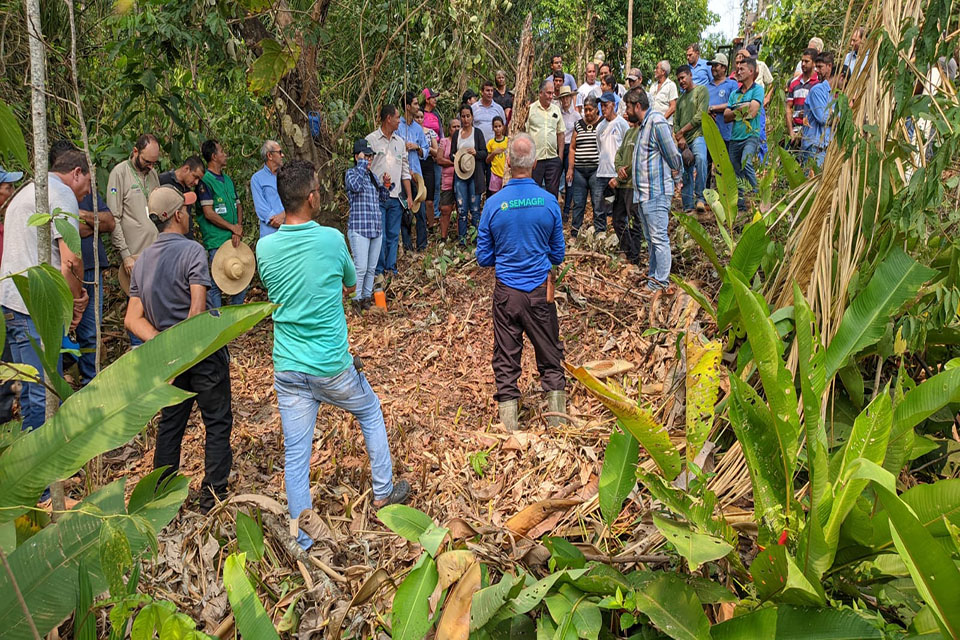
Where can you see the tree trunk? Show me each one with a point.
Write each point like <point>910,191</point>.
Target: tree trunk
<point>521,103</point>
<point>629,37</point>
<point>38,110</point>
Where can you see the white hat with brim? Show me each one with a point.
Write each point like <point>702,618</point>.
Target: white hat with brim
<point>464,163</point>
<point>10,176</point>
<point>421,194</point>
<point>233,267</point>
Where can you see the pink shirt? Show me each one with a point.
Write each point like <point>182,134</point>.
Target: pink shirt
<point>432,121</point>
<point>446,181</point>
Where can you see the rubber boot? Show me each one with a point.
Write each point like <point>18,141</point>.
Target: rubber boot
<point>509,411</point>
<point>556,403</point>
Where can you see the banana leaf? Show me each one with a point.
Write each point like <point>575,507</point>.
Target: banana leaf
<point>703,388</point>
<point>115,406</point>
<point>252,619</point>
<point>917,405</point>
<point>46,567</point>
<point>787,622</point>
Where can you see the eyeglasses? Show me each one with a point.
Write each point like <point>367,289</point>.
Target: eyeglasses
<point>280,151</point>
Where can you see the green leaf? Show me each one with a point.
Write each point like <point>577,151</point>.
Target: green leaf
<point>69,233</point>
<point>115,406</point>
<point>897,279</point>
<point>571,610</point>
<point>46,567</point>
<point>776,576</point>
<point>274,63</point>
<point>696,548</point>
<point>84,619</point>
<point>406,522</point>
<point>151,619</point>
<point>703,388</point>
<point>932,569</point>
<point>249,536</point>
<point>917,405</point>
<point>722,167</point>
<point>847,490</point>
<point>702,238</point>
<point>694,293</point>
<point>777,384</point>
<point>252,619</point>
<point>39,219</point>
<point>747,255</point>
<point>635,420</point>
<point>115,557</point>
<point>527,599</point>
<point>601,579</point>
<point>12,144</point>
<point>488,601</point>
<point>618,476</point>
<point>563,555</point>
<point>674,608</point>
<point>871,430</point>
<point>49,303</point>
<point>411,606</point>
<point>432,538</point>
<point>791,168</point>
<point>797,623</point>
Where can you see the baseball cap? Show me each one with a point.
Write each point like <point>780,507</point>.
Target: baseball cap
<point>721,59</point>
<point>10,176</point>
<point>360,145</point>
<point>166,201</point>
<point>608,96</point>
<point>634,74</point>
<point>429,93</point>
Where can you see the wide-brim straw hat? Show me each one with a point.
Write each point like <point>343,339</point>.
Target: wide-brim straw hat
<point>464,163</point>
<point>233,267</point>
<point>421,194</point>
<point>565,91</point>
<point>124,277</point>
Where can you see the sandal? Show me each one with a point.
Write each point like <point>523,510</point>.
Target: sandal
<point>399,495</point>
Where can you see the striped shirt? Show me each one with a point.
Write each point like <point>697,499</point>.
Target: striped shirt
<point>364,194</point>
<point>586,155</point>
<point>654,156</point>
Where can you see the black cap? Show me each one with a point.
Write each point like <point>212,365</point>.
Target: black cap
<point>360,145</point>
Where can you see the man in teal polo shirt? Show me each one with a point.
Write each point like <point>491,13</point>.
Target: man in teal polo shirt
<point>742,110</point>
<point>306,269</point>
<point>221,218</point>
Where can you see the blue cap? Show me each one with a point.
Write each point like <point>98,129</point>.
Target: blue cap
<point>608,96</point>
<point>10,176</point>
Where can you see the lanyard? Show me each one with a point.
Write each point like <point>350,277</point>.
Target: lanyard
<point>142,187</point>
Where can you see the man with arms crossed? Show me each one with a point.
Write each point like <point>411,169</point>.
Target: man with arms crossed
<point>306,269</point>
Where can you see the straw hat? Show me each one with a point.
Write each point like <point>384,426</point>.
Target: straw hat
<point>565,91</point>
<point>232,268</point>
<point>464,163</point>
<point>421,194</point>
<point>124,277</point>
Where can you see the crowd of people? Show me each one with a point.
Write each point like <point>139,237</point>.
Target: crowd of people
<point>178,235</point>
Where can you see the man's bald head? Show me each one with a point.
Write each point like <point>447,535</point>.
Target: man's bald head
<point>521,155</point>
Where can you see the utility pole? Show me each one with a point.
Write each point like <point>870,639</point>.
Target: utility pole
<point>629,36</point>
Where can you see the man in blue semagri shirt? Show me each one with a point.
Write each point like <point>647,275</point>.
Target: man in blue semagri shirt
<point>521,235</point>
<point>263,187</point>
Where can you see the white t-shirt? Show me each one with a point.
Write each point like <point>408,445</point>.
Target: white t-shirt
<point>570,119</point>
<point>587,90</point>
<point>20,249</point>
<point>466,143</point>
<point>660,100</point>
<point>609,136</point>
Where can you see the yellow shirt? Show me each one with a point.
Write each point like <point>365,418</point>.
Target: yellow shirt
<point>499,160</point>
<point>543,126</point>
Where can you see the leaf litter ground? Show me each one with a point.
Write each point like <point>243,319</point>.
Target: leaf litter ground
<point>428,359</point>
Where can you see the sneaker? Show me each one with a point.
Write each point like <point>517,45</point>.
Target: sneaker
<point>366,303</point>
<point>399,495</point>
<point>701,207</point>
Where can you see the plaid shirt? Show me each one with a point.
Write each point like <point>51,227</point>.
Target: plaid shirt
<point>654,156</point>
<point>365,195</point>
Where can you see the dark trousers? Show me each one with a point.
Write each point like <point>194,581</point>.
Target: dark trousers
<point>7,394</point>
<point>626,223</point>
<point>547,174</point>
<point>568,188</point>
<point>517,312</point>
<point>210,380</point>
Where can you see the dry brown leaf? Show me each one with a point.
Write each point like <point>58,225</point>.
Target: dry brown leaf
<point>367,590</point>
<point>452,565</point>
<point>534,514</point>
<point>263,502</point>
<point>487,492</point>
<point>460,529</point>
<point>455,621</point>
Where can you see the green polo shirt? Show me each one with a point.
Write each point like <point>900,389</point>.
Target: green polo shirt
<point>624,157</point>
<point>218,192</point>
<point>690,107</point>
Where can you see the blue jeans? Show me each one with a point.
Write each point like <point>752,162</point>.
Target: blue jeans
<point>468,203</point>
<point>20,329</point>
<point>366,252</point>
<point>87,331</point>
<point>437,183</point>
<point>655,219</point>
<point>420,217</point>
<point>692,191</point>
<point>392,213</point>
<point>567,190</point>
<point>299,396</point>
<point>742,153</point>
<point>215,296</point>
<point>584,179</point>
